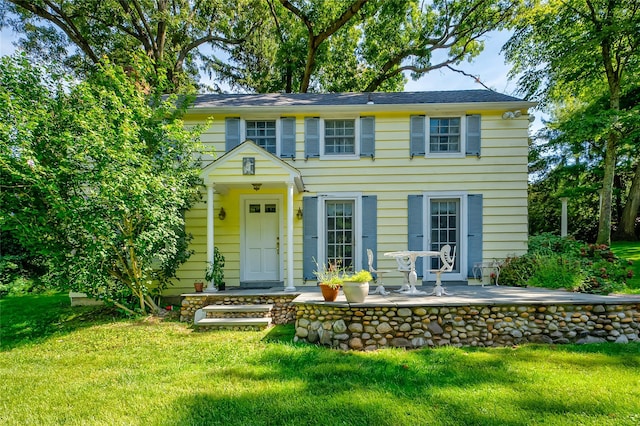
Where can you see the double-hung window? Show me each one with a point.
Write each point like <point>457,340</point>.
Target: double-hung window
<point>263,133</point>
<point>444,135</point>
<point>340,137</point>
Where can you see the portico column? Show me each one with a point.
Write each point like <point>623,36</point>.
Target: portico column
<point>290,286</point>
<point>210,243</point>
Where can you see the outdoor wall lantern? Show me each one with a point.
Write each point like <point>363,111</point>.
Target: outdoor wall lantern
<point>256,186</point>
<point>222,214</point>
<point>299,214</point>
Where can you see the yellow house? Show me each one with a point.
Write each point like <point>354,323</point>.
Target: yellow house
<point>298,177</point>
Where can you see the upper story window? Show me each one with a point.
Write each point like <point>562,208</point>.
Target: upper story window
<point>277,136</point>
<point>263,133</point>
<point>453,136</point>
<point>444,135</point>
<point>339,137</point>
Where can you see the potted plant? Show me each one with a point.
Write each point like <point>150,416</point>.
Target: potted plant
<point>356,286</point>
<point>198,286</point>
<point>329,279</point>
<point>215,270</point>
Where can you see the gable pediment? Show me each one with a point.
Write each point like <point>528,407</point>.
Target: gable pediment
<point>247,164</point>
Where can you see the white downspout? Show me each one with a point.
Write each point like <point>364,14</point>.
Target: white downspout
<point>290,286</point>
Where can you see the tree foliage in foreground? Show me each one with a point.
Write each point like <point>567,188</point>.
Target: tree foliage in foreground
<point>96,177</point>
<point>579,50</point>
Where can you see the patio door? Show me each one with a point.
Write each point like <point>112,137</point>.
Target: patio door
<point>445,225</point>
<point>261,245</point>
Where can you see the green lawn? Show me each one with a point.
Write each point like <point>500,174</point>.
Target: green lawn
<point>62,365</point>
<point>631,251</point>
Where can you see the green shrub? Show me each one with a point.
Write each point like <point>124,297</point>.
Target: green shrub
<point>515,271</point>
<point>547,243</point>
<point>555,262</point>
<point>554,271</point>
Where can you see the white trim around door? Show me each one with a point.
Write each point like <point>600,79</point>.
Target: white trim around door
<point>253,266</point>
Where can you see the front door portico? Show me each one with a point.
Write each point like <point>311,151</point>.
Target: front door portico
<point>260,239</point>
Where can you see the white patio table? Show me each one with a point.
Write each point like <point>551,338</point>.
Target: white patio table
<point>413,276</point>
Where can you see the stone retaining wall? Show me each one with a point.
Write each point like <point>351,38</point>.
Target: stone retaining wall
<point>283,311</point>
<point>372,328</point>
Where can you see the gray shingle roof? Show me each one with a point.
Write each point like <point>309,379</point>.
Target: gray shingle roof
<point>379,98</point>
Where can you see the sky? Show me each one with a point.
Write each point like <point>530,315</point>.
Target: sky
<point>489,66</point>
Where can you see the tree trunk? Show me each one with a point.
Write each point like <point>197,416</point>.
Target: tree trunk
<point>630,213</point>
<point>606,196</point>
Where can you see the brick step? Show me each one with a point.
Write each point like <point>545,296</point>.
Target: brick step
<point>233,323</point>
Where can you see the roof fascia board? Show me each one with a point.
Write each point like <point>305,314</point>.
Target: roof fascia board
<point>363,109</point>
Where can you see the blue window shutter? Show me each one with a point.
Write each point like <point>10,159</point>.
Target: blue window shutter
<point>312,137</point>
<point>369,228</point>
<point>288,137</point>
<point>367,137</point>
<point>309,236</point>
<point>232,133</point>
<point>474,241</point>
<point>473,135</point>
<point>415,221</point>
<point>417,135</point>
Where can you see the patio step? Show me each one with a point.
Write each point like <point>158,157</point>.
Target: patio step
<point>233,317</point>
<point>240,310</point>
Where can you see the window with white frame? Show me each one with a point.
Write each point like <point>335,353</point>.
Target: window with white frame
<point>263,133</point>
<point>444,135</point>
<point>339,137</point>
<point>445,227</point>
<point>339,232</point>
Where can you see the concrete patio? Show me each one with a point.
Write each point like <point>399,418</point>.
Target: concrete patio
<point>462,295</point>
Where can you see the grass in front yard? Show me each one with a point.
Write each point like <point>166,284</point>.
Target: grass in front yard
<point>147,372</point>
<point>630,250</point>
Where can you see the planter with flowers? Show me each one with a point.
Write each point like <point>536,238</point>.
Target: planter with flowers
<point>356,286</point>
<point>329,279</point>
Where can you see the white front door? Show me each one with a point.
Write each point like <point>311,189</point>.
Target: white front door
<point>261,240</point>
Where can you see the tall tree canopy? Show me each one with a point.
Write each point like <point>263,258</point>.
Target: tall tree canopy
<point>574,51</point>
<point>361,45</point>
<point>173,35</point>
<point>96,177</point>
<point>264,45</point>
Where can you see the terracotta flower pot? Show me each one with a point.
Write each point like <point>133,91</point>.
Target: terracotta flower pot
<point>329,294</point>
<point>198,287</point>
<point>355,292</point>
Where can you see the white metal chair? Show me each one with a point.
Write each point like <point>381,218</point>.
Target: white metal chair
<point>380,288</point>
<point>447,266</point>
